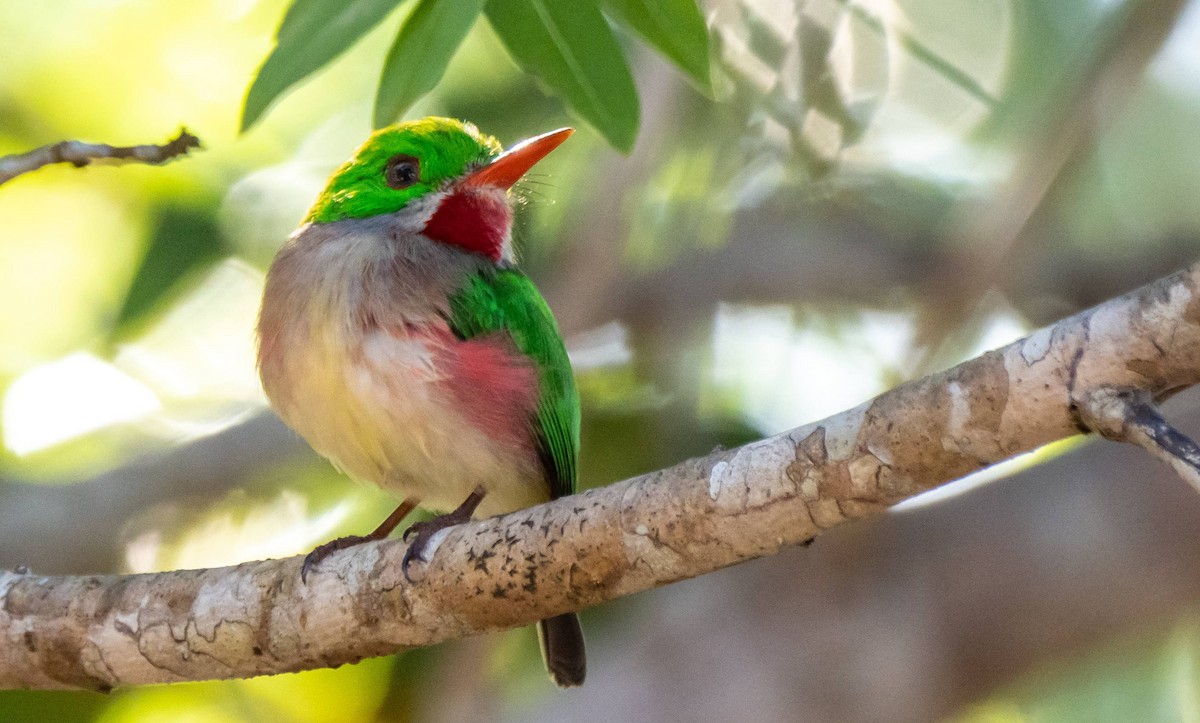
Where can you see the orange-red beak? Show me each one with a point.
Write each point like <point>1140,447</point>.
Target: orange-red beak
<point>508,168</point>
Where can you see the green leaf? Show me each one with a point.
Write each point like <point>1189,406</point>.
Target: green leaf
<point>312,33</point>
<point>185,239</point>
<point>571,48</point>
<point>675,27</point>
<point>425,44</point>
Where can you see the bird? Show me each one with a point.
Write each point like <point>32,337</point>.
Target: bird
<point>399,338</point>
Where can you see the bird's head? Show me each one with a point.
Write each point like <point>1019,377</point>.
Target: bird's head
<point>443,177</point>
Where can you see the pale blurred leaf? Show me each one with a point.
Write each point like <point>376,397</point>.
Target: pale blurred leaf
<point>312,33</point>
<point>571,48</point>
<point>674,27</point>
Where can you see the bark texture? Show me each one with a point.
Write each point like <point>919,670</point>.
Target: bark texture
<point>696,517</point>
<point>80,154</point>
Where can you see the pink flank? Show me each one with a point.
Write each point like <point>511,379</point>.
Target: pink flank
<point>492,385</point>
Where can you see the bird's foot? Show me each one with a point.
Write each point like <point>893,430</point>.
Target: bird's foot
<point>385,528</point>
<point>422,533</point>
<point>315,557</point>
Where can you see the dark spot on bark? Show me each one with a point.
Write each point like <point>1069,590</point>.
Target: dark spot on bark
<point>110,597</point>
<point>1073,369</point>
<point>499,592</point>
<point>178,600</point>
<point>256,650</point>
<point>60,658</point>
<point>1077,419</point>
<point>266,607</point>
<point>1145,369</point>
<point>30,642</point>
<point>480,560</point>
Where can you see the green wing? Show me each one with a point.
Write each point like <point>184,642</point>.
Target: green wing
<point>506,301</point>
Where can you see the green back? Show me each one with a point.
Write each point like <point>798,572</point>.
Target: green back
<point>503,300</point>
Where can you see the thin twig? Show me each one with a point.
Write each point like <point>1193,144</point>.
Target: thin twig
<point>81,154</point>
<point>1128,414</point>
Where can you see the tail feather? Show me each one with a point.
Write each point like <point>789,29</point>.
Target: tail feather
<point>562,650</point>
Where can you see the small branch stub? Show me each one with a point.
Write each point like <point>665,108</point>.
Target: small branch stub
<point>80,154</point>
<point>1128,414</point>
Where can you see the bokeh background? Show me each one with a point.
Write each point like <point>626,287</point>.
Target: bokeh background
<point>878,190</point>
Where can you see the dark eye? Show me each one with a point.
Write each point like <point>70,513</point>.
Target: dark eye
<point>402,171</point>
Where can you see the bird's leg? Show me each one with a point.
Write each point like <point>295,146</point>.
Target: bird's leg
<point>385,528</point>
<point>424,531</point>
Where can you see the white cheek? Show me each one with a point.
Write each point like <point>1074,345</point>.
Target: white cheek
<point>507,252</point>
<point>413,217</point>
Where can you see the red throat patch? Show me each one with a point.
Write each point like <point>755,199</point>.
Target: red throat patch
<point>472,220</point>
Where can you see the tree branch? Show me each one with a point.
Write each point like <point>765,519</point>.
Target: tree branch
<point>1130,415</point>
<point>685,521</point>
<point>81,154</point>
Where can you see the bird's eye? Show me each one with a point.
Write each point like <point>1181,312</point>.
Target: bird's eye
<point>402,171</point>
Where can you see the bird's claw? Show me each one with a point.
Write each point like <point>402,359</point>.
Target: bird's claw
<point>413,529</point>
<point>425,531</point>
<point>421,533</point>
<point>315,557</point>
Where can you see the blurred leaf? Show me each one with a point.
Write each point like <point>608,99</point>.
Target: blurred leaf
<point>675,27</point>
<point>924,53</point>
<point>1049,43</point>
<point>821,90</point>
<point>185,240</point>
<point>1142,676</point>
<point>62,706</point>
<point>325,695</point>
<point>312,33</point>
<point>212,702</point>
<point>423,48</point>
<point>571,48</point>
